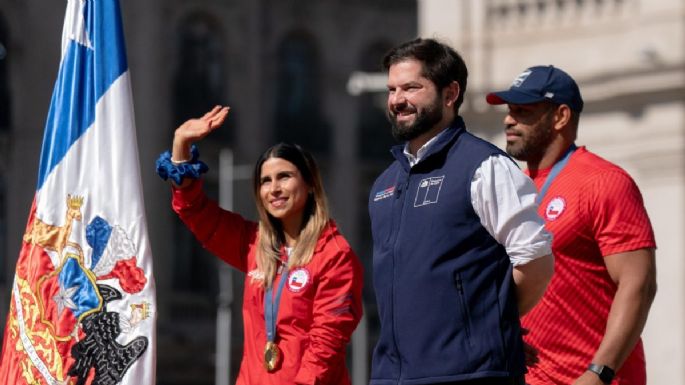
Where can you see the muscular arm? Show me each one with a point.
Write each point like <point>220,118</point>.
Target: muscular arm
<point>504,200</point>
<point>634,273</point>
<point>531,281</point>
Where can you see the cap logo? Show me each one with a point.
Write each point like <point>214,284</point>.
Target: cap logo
<point>549,95</point>
<point>521,78</point>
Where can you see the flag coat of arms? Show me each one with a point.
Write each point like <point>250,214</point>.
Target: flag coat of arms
<point>82,308</point>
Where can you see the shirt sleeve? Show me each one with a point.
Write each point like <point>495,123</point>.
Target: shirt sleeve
<point>336,312</point>
<point>224,233</point>
<point>619,219</point>
<point>503,197</point>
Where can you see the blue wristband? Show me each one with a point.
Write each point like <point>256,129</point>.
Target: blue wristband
<point>178,171</point>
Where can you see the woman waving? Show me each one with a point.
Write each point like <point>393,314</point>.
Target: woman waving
<point>302,294</point>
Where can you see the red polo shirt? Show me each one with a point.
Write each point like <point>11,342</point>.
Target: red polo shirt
<point>593,209</point>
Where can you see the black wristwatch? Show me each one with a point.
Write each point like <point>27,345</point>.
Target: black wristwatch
<point>605,373</point>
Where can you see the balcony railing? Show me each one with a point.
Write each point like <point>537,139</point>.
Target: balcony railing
<point>507,16</point>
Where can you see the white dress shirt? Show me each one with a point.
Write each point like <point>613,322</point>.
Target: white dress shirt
<point>503,197</point>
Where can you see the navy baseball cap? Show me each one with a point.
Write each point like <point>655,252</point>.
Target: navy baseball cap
<point>540,83</point>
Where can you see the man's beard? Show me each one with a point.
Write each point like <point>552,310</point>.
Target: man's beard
<point>531,148</point>
<point>425,120</point>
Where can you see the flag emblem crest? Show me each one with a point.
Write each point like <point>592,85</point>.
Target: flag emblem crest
<point>67,310</point>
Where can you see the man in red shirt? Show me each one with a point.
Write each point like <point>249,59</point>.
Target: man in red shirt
<point>586,329</point>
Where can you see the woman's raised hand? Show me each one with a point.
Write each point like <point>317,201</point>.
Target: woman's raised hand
<point>195,129</point>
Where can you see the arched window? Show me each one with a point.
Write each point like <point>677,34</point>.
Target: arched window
<point>298,96</point>
<point>199,81</point>
<point>199,76</point>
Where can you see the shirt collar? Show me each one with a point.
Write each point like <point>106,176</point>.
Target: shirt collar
<point>413,160</point>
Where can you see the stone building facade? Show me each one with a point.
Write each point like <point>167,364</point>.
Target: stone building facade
<point>628,57</point>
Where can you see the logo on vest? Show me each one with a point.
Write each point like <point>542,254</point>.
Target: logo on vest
<point>555,208</point>
<point>387,193</point>
<point>428,191</point>
<point>298,279</point>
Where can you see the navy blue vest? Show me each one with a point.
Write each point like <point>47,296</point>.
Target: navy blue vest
<point>444,287</point>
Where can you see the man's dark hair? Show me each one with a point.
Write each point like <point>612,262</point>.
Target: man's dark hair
<point>441,64</point>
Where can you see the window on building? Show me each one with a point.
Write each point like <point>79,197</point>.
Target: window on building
<point>199,76</point>
<point>298,97</point>
<point>199,82</point>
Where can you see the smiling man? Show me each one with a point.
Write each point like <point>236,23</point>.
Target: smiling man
<point>587,327</point>
<point>459,250</point>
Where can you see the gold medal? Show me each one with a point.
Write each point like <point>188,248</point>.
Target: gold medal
<point>272,355</point>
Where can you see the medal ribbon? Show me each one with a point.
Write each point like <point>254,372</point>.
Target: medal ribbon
<point>555,171</point>
<point>271,306</point>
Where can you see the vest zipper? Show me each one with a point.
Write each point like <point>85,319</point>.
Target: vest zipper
<point>402,190</point>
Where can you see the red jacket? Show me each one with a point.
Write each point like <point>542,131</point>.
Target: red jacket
<point>320,304</point>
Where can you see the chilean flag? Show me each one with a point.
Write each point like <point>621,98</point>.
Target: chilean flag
<point>83,307</point>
